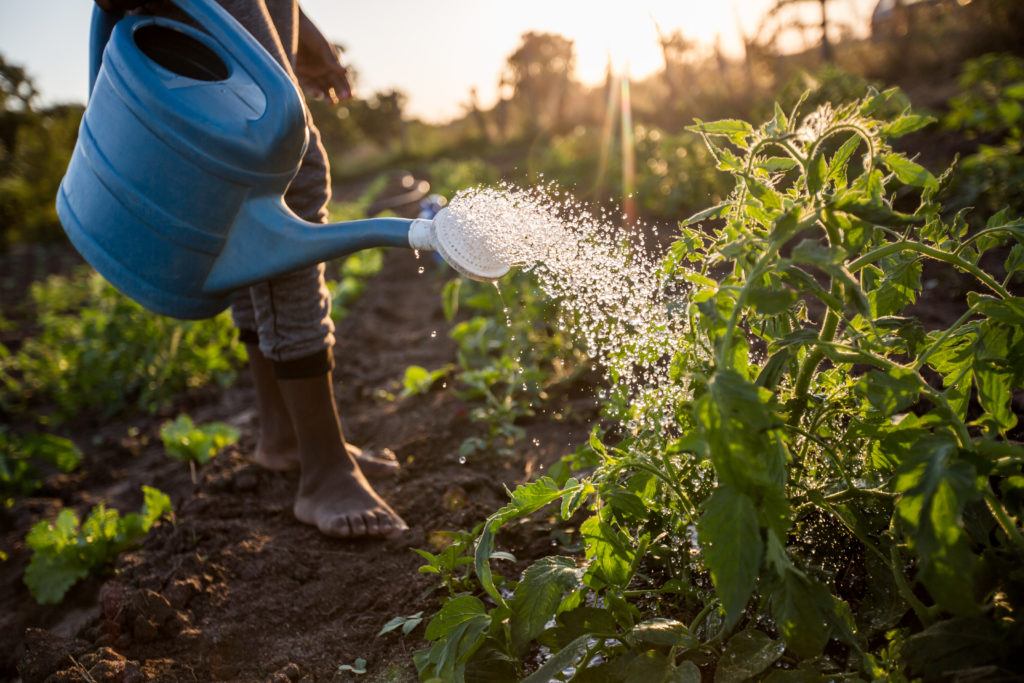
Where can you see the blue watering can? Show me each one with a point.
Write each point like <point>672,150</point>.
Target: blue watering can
<point>190,138</point>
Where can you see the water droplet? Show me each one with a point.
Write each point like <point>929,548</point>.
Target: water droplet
<point>462,460</point>
<point>420,270</point>
<point>433,334</point>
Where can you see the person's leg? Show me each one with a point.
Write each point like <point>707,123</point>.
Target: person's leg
<point>296,336</point>
<point>334,496</point>
<point>277,447</point>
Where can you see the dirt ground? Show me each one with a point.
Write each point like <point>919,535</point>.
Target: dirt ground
<point>235,588</point>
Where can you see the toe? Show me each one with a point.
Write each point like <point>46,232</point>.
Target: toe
<point>396,523</point>
<point>372,528</point>
<point>338,527</point>
<point>358,526</point>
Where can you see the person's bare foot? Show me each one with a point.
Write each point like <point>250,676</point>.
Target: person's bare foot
<point>334,495</point>
<point>340,502</point>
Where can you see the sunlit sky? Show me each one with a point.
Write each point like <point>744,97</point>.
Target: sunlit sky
<point>434,50</point>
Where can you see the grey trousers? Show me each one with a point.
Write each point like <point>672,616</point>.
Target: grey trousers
<point>290,316</point>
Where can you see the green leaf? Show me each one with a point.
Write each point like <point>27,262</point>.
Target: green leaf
<point>66,550</point>
<point>664,632</point>
<point>841,159</point>
<point>186,441</point>
<point>768,301</point>
<point>740,427</point>
<point>908,172</point>
<point>737,131</point>
<point>1014,260</point>
<point>357,667</point>
<point>538,595</point>
<point>706,214</point>
<point>891,391</point>
<point>450,298</point>
<point>908,123</point>
<point>60,452</point>
<point>731,545</point>
<point>803,611</point>
<point>446,659</point>
<point>898,288</point>
<point>817,174</point>
<point>609,551</point>
<point>559,661</point>
<point>746,655</point>
<point>407,624</point>
<point>456,611</point>
<point>958,644</point>
<point>935,486</point>
<point>418,380</point>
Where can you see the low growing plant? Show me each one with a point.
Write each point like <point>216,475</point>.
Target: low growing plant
<point>20,457</point>
<point>837,494</point>
<point>67,550</point>
<point>196,444</point>
<point>96,350</point>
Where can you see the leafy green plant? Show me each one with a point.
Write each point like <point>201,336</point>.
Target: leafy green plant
<point>67,550</point>
<point>508,356</point>
<point>196,444</point>
<point>96,350</point>
<point>407,624</point>
<point>353,273</point>
<point>20,455</point>
<point>990,108</point>
<point>839,494</point>
<point>418,380</point>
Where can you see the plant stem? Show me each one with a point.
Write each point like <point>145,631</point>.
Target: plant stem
<point>1006,522</point>
<point>934,253</point>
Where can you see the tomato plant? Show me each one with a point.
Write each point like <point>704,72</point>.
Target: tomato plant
<point>838,495</point>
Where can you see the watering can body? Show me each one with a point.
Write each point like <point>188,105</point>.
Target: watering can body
<point>190,138</point>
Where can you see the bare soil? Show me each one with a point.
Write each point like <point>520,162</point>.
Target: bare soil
<point>235,588</point>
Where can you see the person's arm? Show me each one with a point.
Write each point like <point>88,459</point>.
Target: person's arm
<point>317,64</point>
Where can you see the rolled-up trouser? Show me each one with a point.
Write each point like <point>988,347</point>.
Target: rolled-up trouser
<point>289,317</point>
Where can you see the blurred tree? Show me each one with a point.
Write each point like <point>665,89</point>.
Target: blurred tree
<point>826,24</point>
<point>541,73</point>
<point>473,109</point>
<point>380,117</point>
<point>35,147</point>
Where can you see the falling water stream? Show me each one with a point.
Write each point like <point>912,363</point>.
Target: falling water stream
<point>613,292</point>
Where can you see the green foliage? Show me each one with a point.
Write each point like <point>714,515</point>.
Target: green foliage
<point>990,107</point>
<point>448,176</point>
<point>418,380</point>
<point>188,442</point>
<point>35,147</point>
<point>350,283</point>
<point>96,350</point>
<point>674,173</point>
<point>508,356</point>
<point>67,550</point>
<point>20,455</point>
<point>837,469</point>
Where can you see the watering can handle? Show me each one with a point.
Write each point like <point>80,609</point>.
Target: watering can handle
<point>213,19</point>
<point>103,23</point>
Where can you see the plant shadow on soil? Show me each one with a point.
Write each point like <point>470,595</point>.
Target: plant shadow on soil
<point>236,588</point>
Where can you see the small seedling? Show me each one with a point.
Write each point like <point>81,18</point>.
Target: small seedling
<point>419,380</point>
<point>357,667</point>
<point>196,444</point>
<point>407,624</point>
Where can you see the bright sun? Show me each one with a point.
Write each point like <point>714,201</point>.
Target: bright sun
<point>627,34</point>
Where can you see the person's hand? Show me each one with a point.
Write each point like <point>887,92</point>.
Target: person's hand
<point>318,66</point>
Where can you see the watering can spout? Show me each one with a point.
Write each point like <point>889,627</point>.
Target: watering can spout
<point>268,240</point>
